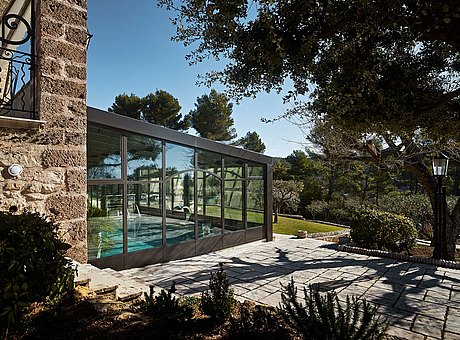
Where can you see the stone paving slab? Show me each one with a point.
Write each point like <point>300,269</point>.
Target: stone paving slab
<point>421,301</point>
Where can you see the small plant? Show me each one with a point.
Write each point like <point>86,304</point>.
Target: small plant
<point>165,308</point>
<point>32,265</point>
<point>258,322</point>
<point>323,317</point>
<point>218,302</point>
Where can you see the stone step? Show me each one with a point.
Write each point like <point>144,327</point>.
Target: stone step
<point>110,282</point>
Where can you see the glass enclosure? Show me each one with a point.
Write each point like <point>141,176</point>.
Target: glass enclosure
<point>147,194</point>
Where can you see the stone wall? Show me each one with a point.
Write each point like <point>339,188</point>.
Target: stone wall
<point>54,156</point>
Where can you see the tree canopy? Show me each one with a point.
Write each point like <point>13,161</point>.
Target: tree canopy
<point>160,108</point>
<point>375,65</point>
<point>382,78</point>
<point>251,141</point>
<point>211,117</point>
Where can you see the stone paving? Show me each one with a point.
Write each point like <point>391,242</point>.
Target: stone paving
<point>421,301</point>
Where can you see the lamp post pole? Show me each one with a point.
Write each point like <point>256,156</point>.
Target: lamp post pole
<point>440,166</point>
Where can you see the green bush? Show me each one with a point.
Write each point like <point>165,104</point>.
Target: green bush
<point>258,322</point>
<point>382,230</point>
<point>165,308</point>
<point>218,302</point>
<point>32,265</point>
<point>323,317</point>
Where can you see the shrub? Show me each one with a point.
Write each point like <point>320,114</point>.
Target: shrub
<point>32,264</point>
<point>382,230</point>
<point>323,317</point>
<point>165,308</point>
<point>218,302</point>
<point>258,322</point>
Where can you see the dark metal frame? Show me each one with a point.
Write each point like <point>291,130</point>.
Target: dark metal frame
<point>196,246</point>
<point>20,64</point>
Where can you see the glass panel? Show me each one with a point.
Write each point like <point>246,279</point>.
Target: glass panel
<point>255,170</point>
<point>255,203</point>
<point>104,158</point>
<point>209,205</point>
<point>144,216</point>
<point>178,158</point>
<point>143,158</point>
<point>233,168</point>
<point>209,161</point>
<point>179,208</point>
<point>233,209</point>
<point>105,220</point>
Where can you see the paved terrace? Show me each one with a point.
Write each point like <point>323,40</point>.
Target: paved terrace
<point>421,301</point>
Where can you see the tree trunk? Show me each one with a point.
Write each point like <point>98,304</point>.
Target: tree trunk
<point>452,232</point>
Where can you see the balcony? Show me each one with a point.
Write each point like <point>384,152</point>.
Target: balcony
<point>18,66</point>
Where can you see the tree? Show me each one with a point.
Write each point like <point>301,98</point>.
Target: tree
<point>286,196</point>
<point>384,70</point>
<point>212,117</point>
<point>130,106</point>
<point>251,141</point>
<point>159,108</point>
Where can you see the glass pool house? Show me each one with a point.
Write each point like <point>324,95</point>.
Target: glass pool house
<point>156,194</point>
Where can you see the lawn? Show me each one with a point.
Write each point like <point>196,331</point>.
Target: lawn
<point>290,226</point>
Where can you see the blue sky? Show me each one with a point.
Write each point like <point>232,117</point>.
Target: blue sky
<point>132,52</point>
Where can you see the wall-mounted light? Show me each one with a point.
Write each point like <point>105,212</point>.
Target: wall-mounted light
<point>15,170</point>
<point>88,39</point>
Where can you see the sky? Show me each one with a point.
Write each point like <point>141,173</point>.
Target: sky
<point>131,52</point>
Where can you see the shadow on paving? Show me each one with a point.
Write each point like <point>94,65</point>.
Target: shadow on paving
<point>400,287</point>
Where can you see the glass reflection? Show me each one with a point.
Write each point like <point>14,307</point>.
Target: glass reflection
<point>143,158</point>
<point>104,158</point>
<point>144,216</point>
<point>233,205</point>
<point>105,220</point>
<point>209,161</point>
<point>179,208</point>
<point>255,203</point>
<point>209,205</point>
<point>178,158</point>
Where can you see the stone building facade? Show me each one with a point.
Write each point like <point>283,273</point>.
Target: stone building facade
<point>52,149</point>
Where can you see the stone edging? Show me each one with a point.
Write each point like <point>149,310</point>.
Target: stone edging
<point>403,257</point>
<point>328,233</point>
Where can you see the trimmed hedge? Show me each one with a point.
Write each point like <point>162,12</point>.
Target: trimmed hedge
<point>382,230</point>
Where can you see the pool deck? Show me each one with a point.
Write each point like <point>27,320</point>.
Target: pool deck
<point>421,301</point>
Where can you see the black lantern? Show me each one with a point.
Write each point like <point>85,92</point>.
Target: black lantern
<point>440,165</point>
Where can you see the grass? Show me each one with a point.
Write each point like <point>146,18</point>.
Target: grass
<point>290,226</point>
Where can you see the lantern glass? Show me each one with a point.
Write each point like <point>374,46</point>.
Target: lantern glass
<point>440,165</point>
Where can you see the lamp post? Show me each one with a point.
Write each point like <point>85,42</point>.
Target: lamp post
<point>440,165</point>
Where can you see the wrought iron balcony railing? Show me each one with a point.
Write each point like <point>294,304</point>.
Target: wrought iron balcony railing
<point>18,60</point>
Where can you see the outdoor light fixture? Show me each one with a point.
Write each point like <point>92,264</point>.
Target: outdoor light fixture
<point>15,170</point>
<point>88,39</point>
<point>440,165</point>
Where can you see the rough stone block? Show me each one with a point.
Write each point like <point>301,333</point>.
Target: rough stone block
<point>63,158</point>
<point>76,180</point>
<point>63,12</point>
<point>76,72</point>
<point>69,123</point>
<point>53,28</point>
<point>63,51</point>
<point>51,66</point>
<point>66,207</point>
<point>50,105</point>
<point>77,36</point>
<point>77,107</point>
<point>64,87</point>
<point>49,137</point>
<point>81,3</point>
<point>75,138</point>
